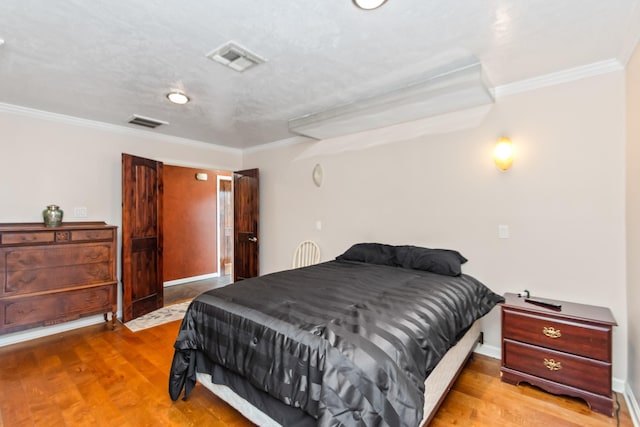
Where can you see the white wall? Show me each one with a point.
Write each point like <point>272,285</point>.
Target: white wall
<point>50,161</point>
<point>633,222</point>
<point>563,199</point>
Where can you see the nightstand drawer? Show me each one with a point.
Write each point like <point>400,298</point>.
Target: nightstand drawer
<point>578,338</point>
<point>586,374</point>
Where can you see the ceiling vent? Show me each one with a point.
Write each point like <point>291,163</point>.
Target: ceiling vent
<point>236,57</point>
<point>146,121</point>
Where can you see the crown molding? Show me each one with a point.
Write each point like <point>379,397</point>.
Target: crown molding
<point>546,80</point>
<point>564,76</point>
<point>633,36</point>
<point>108,127</point>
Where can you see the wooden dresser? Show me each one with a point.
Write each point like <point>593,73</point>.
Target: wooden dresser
<point>566,351</point>
<point>53,275</point>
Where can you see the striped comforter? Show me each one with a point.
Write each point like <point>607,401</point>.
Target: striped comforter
<point>349,343</point>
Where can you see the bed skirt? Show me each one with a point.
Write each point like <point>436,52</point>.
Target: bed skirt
<point>437,384</point>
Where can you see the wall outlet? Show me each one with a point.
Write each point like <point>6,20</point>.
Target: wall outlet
<point>80,212</point>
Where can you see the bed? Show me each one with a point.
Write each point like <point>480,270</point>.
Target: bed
<point>354,341</point>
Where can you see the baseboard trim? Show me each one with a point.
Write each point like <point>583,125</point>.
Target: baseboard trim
<point>488,350</point>
<point>190,279</point>
<point>632,404</point>
<point>31,334</point>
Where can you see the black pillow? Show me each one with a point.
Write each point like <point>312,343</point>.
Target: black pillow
<point>440,261</point>
<point>373,253</point>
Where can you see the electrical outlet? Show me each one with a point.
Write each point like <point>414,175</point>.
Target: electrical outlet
<point>80,212</point>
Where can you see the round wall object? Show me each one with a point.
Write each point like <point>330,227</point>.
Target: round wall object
<point>317,175</point>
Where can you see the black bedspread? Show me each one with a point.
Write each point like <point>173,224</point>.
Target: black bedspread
<point>349,343</point>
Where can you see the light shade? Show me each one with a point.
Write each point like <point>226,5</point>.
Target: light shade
<point>438,93</point>
<point>369,4</point>
<point>503,153</point>
<point>178,97</point>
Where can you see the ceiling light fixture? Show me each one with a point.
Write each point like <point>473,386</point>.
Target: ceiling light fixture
<point>178,97</point>
<point>369,4</point>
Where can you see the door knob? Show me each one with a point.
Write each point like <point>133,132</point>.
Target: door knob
<point>253,239</point>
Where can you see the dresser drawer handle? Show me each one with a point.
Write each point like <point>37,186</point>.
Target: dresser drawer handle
<point>552,365</point>
<point>551,332</point>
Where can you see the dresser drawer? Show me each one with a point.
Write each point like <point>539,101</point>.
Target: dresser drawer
<point>578,338</point>
<point>25,238</point>
<point>576,371</point>
<point>85,235</point>
<point>48,279</point>
<point>54,256</point>
<point>50,309</point>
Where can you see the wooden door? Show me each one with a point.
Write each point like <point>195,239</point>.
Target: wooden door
<point>245,224</point>
<point>142,282</point>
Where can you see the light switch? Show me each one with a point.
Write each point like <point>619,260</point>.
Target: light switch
<point>503,231</point>
<point>318,225</point>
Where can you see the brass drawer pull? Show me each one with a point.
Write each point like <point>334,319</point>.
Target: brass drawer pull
<point>551,332</point>
<point>552,365</point>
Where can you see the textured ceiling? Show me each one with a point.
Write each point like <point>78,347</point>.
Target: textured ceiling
<point>105,60</point>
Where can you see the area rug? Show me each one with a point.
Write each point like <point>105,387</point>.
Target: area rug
<point>158,317</point>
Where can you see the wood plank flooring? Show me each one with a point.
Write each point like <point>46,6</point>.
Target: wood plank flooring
<point>97,377</point>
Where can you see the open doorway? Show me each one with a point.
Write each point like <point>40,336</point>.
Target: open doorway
<point>198,231</point>
<point>147,220</point>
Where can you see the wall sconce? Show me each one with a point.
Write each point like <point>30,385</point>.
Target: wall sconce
<point>503,153</point>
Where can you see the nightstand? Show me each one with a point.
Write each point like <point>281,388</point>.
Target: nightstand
<point>566,351</point>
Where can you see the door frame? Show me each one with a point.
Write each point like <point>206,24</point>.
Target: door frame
<point>177,164</point>
<point>230,179</point>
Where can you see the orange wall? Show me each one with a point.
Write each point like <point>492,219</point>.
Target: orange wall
<point>190,223</point>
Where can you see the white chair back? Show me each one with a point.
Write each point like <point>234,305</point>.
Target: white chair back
<point>307,253</point>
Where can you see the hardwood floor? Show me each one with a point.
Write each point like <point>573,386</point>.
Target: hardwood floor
<point>97,377</point>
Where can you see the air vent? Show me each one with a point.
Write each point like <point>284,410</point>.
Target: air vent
<point>146,121</point>
<point>236,57</point>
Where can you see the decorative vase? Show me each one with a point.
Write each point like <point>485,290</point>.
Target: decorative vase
<point>52,216</point>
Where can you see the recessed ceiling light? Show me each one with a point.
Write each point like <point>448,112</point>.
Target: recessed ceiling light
<point>369,4</point>
<point>1,42</point>
<point>178,97</point>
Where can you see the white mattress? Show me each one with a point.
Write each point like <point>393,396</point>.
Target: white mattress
<point>437,384</point>
<point>442,377</point>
